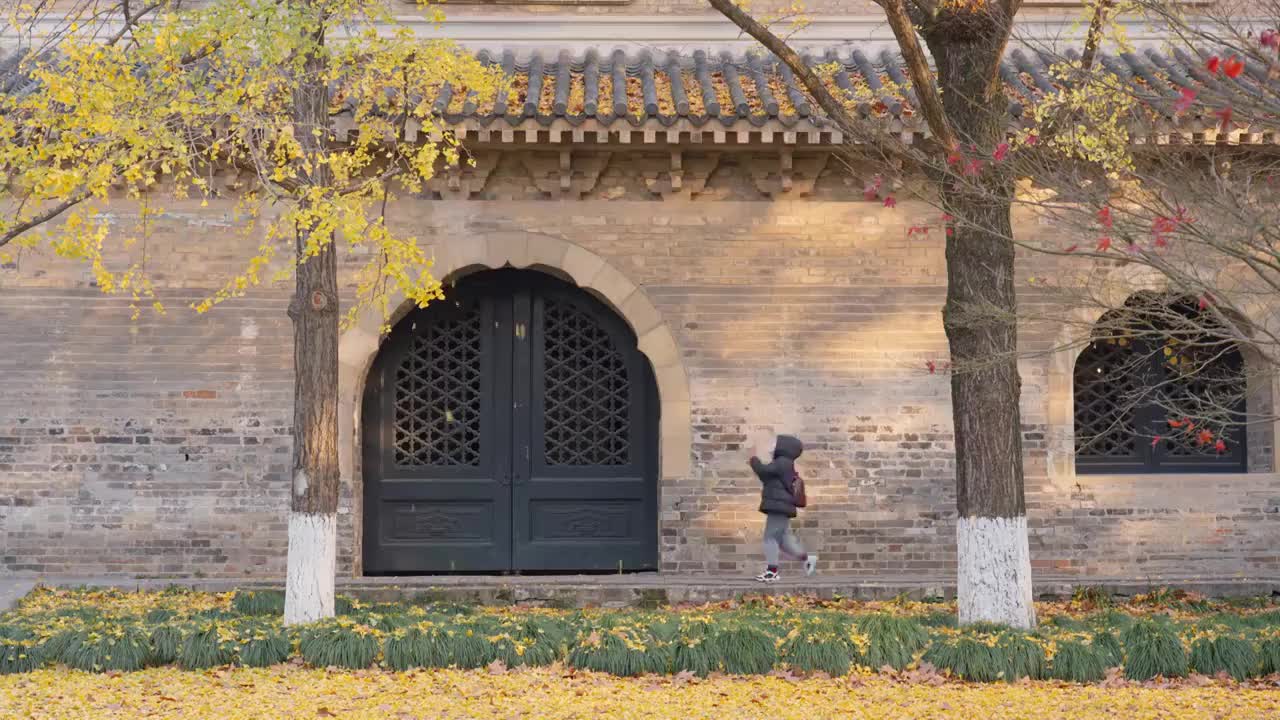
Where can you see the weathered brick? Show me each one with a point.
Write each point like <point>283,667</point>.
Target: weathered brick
<point>161,446</point>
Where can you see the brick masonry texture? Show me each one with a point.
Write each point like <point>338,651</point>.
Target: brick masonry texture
<point>160,446</point>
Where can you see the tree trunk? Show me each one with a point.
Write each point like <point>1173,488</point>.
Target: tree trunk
<point>980,317</point>
<point>314,311</point>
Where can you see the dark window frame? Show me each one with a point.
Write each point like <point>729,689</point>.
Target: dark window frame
<point>1147,419</point>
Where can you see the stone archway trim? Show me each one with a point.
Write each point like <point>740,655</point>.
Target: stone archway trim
<point>1118,285</point>
<point>359,344</point>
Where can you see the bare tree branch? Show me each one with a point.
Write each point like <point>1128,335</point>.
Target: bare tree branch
<point>921,74</point>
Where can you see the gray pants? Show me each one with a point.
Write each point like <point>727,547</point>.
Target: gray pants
<point>778,539</point>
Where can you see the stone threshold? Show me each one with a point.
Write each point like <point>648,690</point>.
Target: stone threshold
<point>657,589</point>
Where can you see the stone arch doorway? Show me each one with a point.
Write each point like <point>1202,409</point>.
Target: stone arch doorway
<point>511,427</point>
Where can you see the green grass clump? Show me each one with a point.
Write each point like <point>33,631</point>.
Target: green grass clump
<point>1152,647</point>
<point>434,645</point>
<point>891,640</point>
<point>1269,654</point>
<point>258,602</point>
<point>20,654</point>
<point>159,615</point>
<point>408,648</point>
<point>744,649</point>
<point>1231,653</point>
<point>692,650</point>
<point>206,647</point>
<point>166,644</point>
<point>107,648</point>
<point>1264,620</point>
<point>1107,643</point>
<point>939,619</point>
<point>339,643</point>
<point>264,645</point>
<point>987,653</point>
<point>1076,661</point>
<point>810,649</point>
<point>967,657</point>
<point>1023,656</point>
<point>1111,619</point>
<point>625,651</point>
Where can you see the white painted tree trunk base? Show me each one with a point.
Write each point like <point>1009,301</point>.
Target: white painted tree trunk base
<point>994,577</point>
<point>313,554</point>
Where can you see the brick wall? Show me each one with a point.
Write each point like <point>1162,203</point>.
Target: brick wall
<point>160,445</point>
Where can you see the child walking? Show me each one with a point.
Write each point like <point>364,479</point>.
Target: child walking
<point>778,503</point>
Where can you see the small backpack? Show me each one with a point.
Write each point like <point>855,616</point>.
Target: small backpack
<point>797,490</point>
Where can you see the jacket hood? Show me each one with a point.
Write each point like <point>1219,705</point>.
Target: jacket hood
<point>788,446</point>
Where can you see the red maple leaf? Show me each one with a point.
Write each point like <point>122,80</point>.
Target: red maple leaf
<point>1213,64</point>
<point>1001,151</point>
<point>953,158</point>
<point>1270,39</point>
<point>921,229</point>
<point>1176,423</point>
<point>1220,446</point>
<point>1233,67</point>
<point>973,167</point>
<point>1161,242</point>
<point>1032,139</point>
<point>1204,301</point>
<point>933,367</point>
<point>1204,437</point>
<point>1104,217</point>
<point>1156,440</point>
<point>1184,102</point>
<point>890,202</point>
<point>1104,244</point>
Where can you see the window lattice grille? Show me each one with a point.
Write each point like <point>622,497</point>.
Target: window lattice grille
<point>1155,392</point>
<point>1106,386</point>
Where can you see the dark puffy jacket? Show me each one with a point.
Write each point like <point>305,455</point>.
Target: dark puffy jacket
<point>777,494</point>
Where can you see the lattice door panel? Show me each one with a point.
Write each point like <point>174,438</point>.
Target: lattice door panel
<point>438,396</point>
<point>586,391</point>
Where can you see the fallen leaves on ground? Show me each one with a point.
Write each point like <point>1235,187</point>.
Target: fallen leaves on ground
<point>552,693</point>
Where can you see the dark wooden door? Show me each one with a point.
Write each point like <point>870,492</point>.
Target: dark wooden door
<point>510,427</point>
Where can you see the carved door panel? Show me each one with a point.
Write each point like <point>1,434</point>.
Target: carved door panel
<point>511,426</point>
<point>585,470</point>
<point>437,474</point>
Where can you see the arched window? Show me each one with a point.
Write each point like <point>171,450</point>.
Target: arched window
<point>1159,390</point>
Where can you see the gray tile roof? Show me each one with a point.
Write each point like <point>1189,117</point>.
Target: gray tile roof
<point>703,88</point>
<point>718,94</point>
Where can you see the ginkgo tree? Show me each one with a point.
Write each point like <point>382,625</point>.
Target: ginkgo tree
<point>145,103</point>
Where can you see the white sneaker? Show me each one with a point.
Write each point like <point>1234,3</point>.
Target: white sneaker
<point>768,576</point>
<point>811,564</point>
